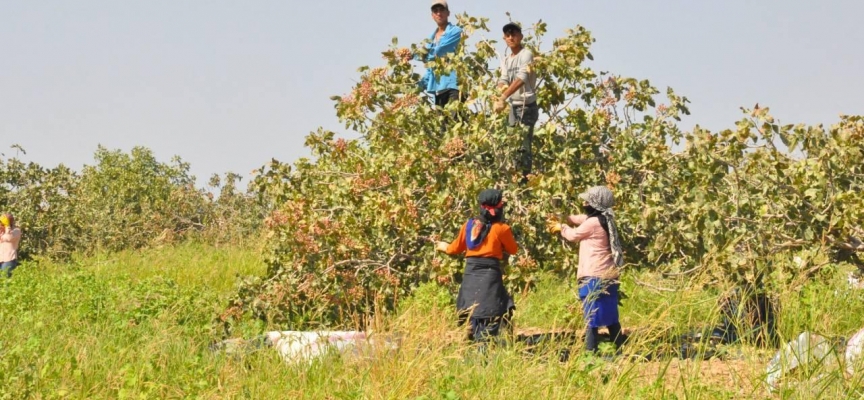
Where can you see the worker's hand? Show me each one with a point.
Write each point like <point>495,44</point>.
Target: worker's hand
<point>441,246</point>
<point>554,227</point>
<point>499,106</point>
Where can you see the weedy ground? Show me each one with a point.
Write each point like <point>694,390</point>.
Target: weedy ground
<point>139,325</point>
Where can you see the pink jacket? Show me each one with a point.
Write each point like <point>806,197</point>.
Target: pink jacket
<point>9,241</point>
<point>595,256</point>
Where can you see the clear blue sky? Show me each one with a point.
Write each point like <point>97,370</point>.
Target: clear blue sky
<point>227,85</point>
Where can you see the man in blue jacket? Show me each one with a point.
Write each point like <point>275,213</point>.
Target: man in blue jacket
<point>445,40</point>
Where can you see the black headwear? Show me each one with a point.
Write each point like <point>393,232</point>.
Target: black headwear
<point>512,27</point>
<point>491,205</point>
<point>491,211</point>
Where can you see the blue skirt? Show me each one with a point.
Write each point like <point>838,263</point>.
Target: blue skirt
<point>599,301</point>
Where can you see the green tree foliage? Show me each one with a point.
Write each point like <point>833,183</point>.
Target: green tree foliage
<point>122,201</point>
<point>132,198</point>
<point>41,199</point>
<point>350,229</point>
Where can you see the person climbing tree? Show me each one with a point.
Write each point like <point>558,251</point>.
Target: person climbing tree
<point>517,83</point>
<point>443,41</point>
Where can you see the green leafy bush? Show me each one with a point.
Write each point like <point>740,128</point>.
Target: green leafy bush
<point>122,201</point>
<point>349,230</point>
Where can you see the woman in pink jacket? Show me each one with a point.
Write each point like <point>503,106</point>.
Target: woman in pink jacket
<point>600,257</point>
<point>10,237</point>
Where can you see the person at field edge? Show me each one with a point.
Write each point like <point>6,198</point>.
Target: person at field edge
<point>483,300</point>
<point>600,257</point>
<point>10,237</point>
<point>518,81</point>
<point>444,40</point>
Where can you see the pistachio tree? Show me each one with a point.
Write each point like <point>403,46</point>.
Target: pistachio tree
<point>352,226</point>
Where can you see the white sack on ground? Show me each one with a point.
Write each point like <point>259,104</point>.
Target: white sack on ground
<point>298,346</point>
<point>807,351</point>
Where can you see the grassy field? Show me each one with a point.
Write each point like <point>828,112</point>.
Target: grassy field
<point>138,325</point>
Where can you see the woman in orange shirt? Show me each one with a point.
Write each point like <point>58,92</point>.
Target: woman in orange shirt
<point>483,300</point>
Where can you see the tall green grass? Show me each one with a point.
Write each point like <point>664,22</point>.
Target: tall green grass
<point>139,325</point>
<point>190,265</point>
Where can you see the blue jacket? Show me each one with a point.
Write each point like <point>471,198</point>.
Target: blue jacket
<point>447,43</point>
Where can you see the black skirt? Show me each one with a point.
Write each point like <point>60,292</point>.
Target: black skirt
<point>483,289</point>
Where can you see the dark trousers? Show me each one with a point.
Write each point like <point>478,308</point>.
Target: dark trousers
<point>484,329</point>
<point>526,157</point>
<point>592,339</point>
<point>8,266</point>
<point>525,116</point>
<point>445,96</point>
<point>442,98</point>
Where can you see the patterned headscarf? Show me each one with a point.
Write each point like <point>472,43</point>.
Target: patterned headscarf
<point>491,211</point>
<point>602,199</point>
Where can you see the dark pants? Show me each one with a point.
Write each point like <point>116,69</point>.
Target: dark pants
<point>442,98</point>
<point>445,96</point>
<point>592,339</point>
<point>526,116</point>
<point>8,267</point>
<point>483,300</point>
<point>485,329</point>
<point>599,299</point>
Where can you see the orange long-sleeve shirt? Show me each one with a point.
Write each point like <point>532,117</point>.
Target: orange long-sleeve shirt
<point>499,240</point>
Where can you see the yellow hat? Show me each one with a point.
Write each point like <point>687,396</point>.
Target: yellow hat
<point>4,219</point>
